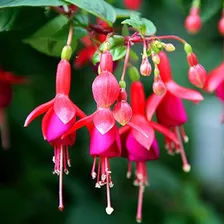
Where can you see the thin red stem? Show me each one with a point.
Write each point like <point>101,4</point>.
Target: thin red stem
<point>126,61</point>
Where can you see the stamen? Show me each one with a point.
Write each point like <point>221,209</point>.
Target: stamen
<point>183,134</point>
<point>93,173</point>
<point>109,208</point>
<point>67,156</point>
<point>140,201</point>
<point>98,175</point>
<point>61,206</point>
<point>186,166</point>
<point>129,170</point>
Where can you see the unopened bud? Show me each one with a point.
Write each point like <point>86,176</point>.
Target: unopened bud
<point>169,47</point>
<point>145,68</point>
<point>197,75</point>
<point>158,87</point>
<point>122,112</point>
<point>156,59</point>
<point>193,21</point>
<point>187,48</point>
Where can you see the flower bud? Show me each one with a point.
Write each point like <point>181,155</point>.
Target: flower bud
<point>105,89</point>
<point>221,26</point>
<point>169,47</point>
<point>145,68</point>
<point>158,87</point>
<point>156,59</point>
<point>193,21</point>
<point>122,112</point>
<point>106,61</point>
<point>192,59</point>
<point>132,4</point>
<point>197,75</point>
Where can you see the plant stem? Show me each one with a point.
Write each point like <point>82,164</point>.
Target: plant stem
<point>126,61</point>
<point>69,40</point>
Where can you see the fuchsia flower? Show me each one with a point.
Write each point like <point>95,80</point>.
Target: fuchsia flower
<point>60,116</point>
<point>136,147</point>
<point>169,108</point>
<point>215,82</point>
<point>7,79</point>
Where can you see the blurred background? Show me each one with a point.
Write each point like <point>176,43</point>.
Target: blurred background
<point>29,191</point>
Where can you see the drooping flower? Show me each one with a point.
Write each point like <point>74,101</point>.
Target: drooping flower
<point>7,79</point>
<point>138,148</point>
<point>60,115</point>
<point>169,108</point>
<point>215,82</point>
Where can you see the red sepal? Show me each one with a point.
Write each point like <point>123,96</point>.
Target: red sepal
<point>64,108</point>
<point>183,93</point>
<point>214,79</point>
<point>165,131</point>
<point>45,120</point>
<point>152,103</point>
<point>124,129</point>
<point>140,121</point>
<point>137,98</point>
<point>38,111</point>
<point>11,79</point>
<point>164,67</point>
<point>83,56</point>
<point>104,120</point>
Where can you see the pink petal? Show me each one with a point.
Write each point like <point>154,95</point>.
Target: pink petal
<point>148,130</point>
<point>214,79</point>
<point>165,131</point>
<point>38,111</point>
<point>171,111</point>
<point>184,93</point>
<point>105,145</point>
<point>104,120</point>
<point>64,108</point>
<point>152,103</point>
<point>138,153</point>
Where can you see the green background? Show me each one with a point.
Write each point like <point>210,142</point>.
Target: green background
<point>29,191</point>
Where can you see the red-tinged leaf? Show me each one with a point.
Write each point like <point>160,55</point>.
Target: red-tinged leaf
<point>45,121</point>
<point>38,111</point>
<point>140,121</point>
<point>124,129</point>
<point>165,131</point>
<point>64,108</point>
<point>164,67</point>
<point>152,103</point>
<point>137,98</point>
<point>104,120</point>
<point>183,93</point>
<point>79,124</point>
<point>214,79</point>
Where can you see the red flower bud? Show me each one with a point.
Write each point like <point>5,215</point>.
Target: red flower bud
<point>145,68</point>
<point>158,86</point>
<point>197,75</point>
<point>122,112</point>
<point>193,21</point>
<point>105,89</point>
<point>192,59</point>
<point>132,4</point>
<point>5,94</point>
<point>106,61</point>
<point>221,26</point>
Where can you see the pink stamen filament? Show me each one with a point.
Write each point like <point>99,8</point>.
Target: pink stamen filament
<point>186,165</point>
<point>129,169</point>
<point>183,134</point>
<point>61,206</point>
<point>93,173</point>
<point>140,201</point>
<point>109,208</point>
<point>98,174</point>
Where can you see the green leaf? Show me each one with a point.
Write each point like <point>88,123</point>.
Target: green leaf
<point>17,3</point>
<point>142,25</point>
<point>124,13</point>
<point>16,18</point>
<point>99,8</point>
<point>133,55</point>
<point>51,38</point>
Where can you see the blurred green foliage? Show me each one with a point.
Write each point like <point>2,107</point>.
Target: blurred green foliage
<point>29,191</point>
